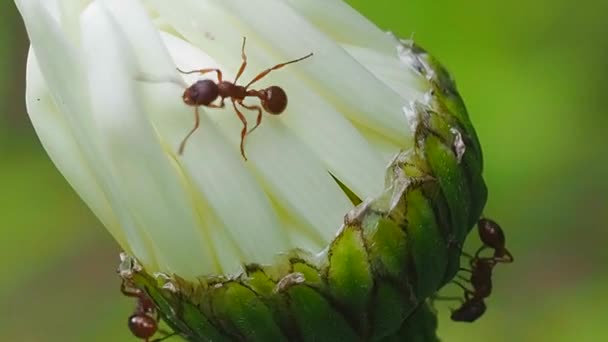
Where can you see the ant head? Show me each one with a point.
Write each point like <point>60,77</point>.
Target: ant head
<point>142,326</point>
<point>201,93</point>
<point>274,100</point>
<point>491,234</point>
<point>470,311</point>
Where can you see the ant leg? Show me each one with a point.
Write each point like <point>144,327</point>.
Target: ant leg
<point>466,255</point>
<point>202,72</point>
<point>197,121</point>
<point>481,249</point>
<point>447,298</point>
<point>258,120</point>
<point>503,256</point>
<point>462,278</point>
<point>243,131</point>
<point>466,290</point>
<point>244,64</point>
<point>129,292</point>
<point>278,66</point>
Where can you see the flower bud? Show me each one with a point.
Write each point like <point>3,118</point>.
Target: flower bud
<point>247,235</point>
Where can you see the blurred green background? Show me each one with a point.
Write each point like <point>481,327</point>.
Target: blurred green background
<point>532,74</point>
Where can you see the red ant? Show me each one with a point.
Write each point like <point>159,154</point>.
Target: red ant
<point>204,92</point>
<point>473,306</point>
<point>143,323</point>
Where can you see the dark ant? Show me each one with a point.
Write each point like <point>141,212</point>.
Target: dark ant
<point>143,323</point>
<point>492,236</point>
<point>204,92</point>
<point>473,305</point>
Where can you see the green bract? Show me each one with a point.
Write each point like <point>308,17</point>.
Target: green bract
<point>314,238</point>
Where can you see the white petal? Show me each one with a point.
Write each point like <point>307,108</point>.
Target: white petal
<point>294,178</point>
<point>344,24</point>
<point>391,71</point>
<point>70,17</point>
<point>143,174</point>
<point>62,69</point>
<point>64,151</point>
<point>152,56</point>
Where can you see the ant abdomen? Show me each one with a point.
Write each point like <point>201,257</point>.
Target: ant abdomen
<point>274,100</point>
<point>142,326</point>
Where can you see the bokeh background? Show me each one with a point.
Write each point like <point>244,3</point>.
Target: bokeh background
<point>533,74</point>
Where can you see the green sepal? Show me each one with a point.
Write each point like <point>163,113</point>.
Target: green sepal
<point>387,317</point>
<point>421,326</point>
<point>453,184</point>
<point>242,313</point>
<point>349,275</point>
<point>428,245</point>
<point>317,319</point>
<point>389,252</point>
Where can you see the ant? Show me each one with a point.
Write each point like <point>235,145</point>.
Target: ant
<point>473,306</point>
<point>143,323</point>
<point>204,92</point>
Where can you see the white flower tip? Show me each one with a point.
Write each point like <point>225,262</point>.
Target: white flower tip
<point>147,77</point>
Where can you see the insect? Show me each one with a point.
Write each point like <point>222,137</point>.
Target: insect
<point>204,92</point>
<point>473,305</point>
<point>143,323</point>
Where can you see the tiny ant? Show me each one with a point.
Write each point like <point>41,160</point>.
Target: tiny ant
<point>143,323</point>
<point>204,92</point>
<point>493,237</point>
<point>473,305</point>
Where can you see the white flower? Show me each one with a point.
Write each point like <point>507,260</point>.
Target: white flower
<point>104,96</point>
